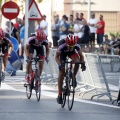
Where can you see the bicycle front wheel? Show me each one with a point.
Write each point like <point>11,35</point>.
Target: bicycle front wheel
<point>71,90</point>
<point>63,97</point>
<point>29,88</point>
<point>38,89</point>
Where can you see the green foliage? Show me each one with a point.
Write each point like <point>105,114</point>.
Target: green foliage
<point>117,34</point>
<point>0,3</point>
<point>39,1</point>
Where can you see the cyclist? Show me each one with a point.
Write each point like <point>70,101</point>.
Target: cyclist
<point>36,41</point>
<point>6,49</point>
<point>68,47</point>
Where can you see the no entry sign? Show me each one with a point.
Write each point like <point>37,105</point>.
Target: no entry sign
<point>10,10</point>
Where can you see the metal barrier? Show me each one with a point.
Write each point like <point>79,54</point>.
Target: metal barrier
<point>50,68</point>
<point>95,77</point>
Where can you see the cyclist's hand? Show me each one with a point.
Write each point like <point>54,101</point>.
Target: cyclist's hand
<point>47,59</point>
<point>61,66</point>
<point>83,67</point>
<point>27,59</point>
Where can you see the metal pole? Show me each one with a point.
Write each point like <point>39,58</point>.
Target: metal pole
<point>26,27</point>
<point>89,9</point>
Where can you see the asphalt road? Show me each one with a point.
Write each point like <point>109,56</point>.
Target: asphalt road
<point>14,104</point>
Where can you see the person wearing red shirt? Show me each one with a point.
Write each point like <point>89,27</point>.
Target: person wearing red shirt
<point>100,30</point>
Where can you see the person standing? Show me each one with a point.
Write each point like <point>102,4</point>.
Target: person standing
<point>92,23</point>
<point>44,25</point>
<point>55,33</point>
<point>100,30</point>
<point>64,28</point>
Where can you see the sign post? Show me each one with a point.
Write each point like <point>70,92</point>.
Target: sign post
<point>10,10</point>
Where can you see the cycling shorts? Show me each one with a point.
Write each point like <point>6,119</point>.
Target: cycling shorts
<point>39,51</point>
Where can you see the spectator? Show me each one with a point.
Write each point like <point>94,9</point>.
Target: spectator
<point>6,29</point>
<point>77,17</point>
<point>16,24</point>
<point>62,21</point>
<point>37,25</point>
<point>77,30</point>
<point>44,25</point>
<point>55,33</point>
<point>20,23</point>
<point>82,16</point>
<point>92,23</point>
<point>106,45</point>
<point>57,17</point>
<point>15,33</point>
<point>86,35</point>
<point>115,44</point>
<point>64,28</point>
<point>71,25</point>
<point>100,30</point>
<point>71,17</point>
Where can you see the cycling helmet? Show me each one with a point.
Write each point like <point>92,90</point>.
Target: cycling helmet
<point>71,40</point>
<point>2,34</point>
<point>40,35</point>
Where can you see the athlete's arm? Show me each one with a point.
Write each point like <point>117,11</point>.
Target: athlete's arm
<point>57,57</point>
<point>27,50</point>
<point>47,50</point>
<point>81,55</point>
<point>10,48</point>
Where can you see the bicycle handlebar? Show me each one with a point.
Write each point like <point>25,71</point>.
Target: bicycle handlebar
<point>71,62</point>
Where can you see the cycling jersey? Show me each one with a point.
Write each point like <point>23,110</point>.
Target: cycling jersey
<point>4,45</point>
<point>63,49</point>
<point>39,48</point>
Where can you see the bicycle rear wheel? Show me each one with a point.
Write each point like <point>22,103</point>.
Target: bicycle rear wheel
<point>71,90</point>
<point>63,97</point>
<point>29,88</point>
<point>38,89</point>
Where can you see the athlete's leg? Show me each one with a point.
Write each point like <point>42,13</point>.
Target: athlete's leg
<point>60,80</point>
<point>29,63</point>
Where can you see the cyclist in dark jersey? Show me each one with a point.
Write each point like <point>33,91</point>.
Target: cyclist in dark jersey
<point>6,49</point>
<point>36,42</point>
<point>68,47</point>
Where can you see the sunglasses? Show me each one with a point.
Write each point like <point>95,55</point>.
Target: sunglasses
<point>70,46</point>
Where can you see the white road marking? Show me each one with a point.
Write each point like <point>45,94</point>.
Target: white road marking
<point>4,86</point>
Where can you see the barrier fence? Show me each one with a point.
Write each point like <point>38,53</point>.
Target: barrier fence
<point>96,77</point>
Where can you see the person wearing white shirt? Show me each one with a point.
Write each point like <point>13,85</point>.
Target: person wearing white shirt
<point>92,24</point>
<point>77,29</point>
<point>44,25</point>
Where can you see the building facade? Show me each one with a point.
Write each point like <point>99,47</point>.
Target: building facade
<point>108,8</point>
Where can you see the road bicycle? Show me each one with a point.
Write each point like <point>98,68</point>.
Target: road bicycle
<point>35,81</point>
<point>68,89</point>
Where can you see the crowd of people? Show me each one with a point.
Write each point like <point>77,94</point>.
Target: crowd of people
<point>91,34</point>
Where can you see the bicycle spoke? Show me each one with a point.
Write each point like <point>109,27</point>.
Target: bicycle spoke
<point>38,90</point>
<point>71,92</point>
<point>28,91</point>
<point>63,97</point>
